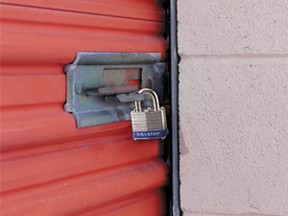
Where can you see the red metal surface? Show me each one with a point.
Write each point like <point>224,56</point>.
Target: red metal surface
<point>48,166</point>
<point>146,10</point>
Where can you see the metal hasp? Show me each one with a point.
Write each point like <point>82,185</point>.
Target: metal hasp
<point>102,87</point>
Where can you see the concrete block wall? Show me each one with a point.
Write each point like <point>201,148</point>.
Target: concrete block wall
<point>233,107</point>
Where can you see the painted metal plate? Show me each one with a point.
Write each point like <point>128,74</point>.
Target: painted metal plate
<point>48,165</point>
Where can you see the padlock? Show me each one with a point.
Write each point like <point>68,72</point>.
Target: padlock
<point>149,123</point>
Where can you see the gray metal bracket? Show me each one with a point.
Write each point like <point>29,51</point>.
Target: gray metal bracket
<point>102,87</point>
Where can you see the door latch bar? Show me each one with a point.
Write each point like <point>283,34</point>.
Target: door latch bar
<point>106,91</point>
<point>102,87</point>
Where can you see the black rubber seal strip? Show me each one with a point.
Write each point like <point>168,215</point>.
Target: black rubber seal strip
<point>174,109</point>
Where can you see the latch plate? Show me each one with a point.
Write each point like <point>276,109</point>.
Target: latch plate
<point>98,84</point>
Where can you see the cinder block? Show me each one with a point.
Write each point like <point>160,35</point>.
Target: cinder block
<point>212,214</point>
<point>234,135</point>
<point>232,27</point>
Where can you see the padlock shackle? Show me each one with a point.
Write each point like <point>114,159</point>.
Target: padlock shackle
<point>156,105</point>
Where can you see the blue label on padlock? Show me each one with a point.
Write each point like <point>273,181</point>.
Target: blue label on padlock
<point>159,134</point>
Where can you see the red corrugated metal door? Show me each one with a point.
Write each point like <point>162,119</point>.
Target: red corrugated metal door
<point>48,165</point>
